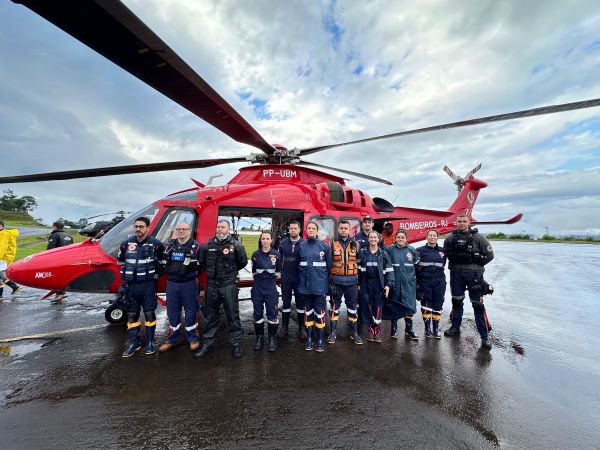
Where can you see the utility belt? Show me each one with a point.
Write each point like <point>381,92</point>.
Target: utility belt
<point>432,276</point>
<point>180,281</point>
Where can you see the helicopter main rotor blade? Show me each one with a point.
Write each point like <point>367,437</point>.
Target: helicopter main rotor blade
<point>349,172</point>
<point>119,170</point>
<point>111,29</point>
<point>466,123</point>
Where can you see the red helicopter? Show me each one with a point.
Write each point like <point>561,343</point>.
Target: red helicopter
<point>277,188</point>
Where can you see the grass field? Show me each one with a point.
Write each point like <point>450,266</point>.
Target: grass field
<point>28,245</point>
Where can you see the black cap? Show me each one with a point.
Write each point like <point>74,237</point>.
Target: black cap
<point>368,218</point>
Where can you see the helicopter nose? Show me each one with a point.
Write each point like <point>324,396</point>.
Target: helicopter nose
<point>53,269</point>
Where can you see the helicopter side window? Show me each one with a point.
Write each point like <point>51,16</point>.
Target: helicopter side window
<point>354,225</point>
<point>166,228</point>
<point>327,231</point>
<point>110,241</point>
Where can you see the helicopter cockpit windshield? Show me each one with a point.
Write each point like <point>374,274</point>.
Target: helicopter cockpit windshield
<point>112,239</point>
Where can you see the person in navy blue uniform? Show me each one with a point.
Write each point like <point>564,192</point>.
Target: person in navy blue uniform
<point>344,282</point>
<point>362,237</point>
<point>266,266</point>
<point>432,284</point>
<point>315,263</point>
<point>376,280</point>
<point>139,257</point>
<point>468,251</point>
<point>403,298</point>
<point>222,257</point>
<point>288,251</point>
<point>182,267</point>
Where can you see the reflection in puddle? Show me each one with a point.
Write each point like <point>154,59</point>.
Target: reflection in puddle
<point>21,348</point>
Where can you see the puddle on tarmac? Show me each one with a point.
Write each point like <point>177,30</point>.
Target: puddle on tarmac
<point>21,348</point>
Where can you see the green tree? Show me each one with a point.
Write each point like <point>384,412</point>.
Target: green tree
<point>11,202</point>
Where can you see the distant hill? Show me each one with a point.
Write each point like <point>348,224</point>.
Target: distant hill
<point>18,219</point>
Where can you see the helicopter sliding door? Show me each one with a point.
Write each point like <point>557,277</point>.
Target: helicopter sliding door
<point>247,223</point>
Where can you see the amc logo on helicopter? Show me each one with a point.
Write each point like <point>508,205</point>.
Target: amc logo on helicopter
<point>43,274</point>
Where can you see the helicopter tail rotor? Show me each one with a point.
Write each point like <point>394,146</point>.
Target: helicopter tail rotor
<point>460,181</point>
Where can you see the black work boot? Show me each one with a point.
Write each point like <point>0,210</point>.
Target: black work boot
<point>452,331</point>
<point>134,340</point>
<point>285,323</point>
<point>272,327</point>
<point>320,340</point>
<point>302,331</point>
<point>408,329</point>
<point>354,334</point>
<point>203,351</point>
<point>150,348</point>
<point>259,330</point>
<point>486,342</point>
<point>436,329</point>
<point>236,351</point>
<point>14,286</point>
<point>332,332</point>
<point>309,339</point>
<point>394,329</point>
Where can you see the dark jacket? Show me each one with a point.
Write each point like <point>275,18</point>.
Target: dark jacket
<point>181,260</point>
<point>222,259</point>
<point>384,266</point>
<point>140,261</point>
<point>468,251</point>
<point>404,261</point>
<point>288,251</point>
<point>58,238</point>
<point>432,261</point>
<point>314,265</point>
<point>266,266</point>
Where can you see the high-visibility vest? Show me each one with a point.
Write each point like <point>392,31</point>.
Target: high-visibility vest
<point>344,260</point>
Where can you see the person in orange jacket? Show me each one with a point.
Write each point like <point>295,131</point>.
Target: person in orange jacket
<point>388,234</point>
<point>8,250</point>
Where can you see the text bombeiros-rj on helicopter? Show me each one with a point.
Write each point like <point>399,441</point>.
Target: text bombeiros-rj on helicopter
<point>278,187</point>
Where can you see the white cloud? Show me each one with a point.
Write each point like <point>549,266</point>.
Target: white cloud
<point>394,66</point>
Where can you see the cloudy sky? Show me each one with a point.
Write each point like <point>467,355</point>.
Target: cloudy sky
<point>307,73</point>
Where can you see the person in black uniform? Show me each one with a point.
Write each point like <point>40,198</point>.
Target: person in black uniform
<point>222,257</point>
<point>58,238</point>
<point>432,284</point>
<point>288,251</point>
<point>468,251</point>
<point>266,266</point>
<point>182,267</point>
<point>139,257</point>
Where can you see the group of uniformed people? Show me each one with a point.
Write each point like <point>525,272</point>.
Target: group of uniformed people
<point>376,282</point>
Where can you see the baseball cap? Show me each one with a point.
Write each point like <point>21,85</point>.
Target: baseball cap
<point>368,218</point>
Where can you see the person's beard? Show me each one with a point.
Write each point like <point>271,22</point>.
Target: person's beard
<point>221,236</point>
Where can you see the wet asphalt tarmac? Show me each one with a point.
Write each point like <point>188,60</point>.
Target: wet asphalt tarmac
<point>537,388</point>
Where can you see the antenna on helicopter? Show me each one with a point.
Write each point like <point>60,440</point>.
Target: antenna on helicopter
<point>460,181</point>
<point>212,177</point>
